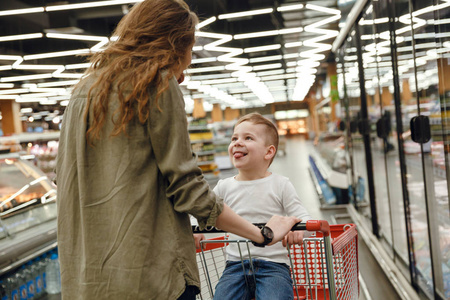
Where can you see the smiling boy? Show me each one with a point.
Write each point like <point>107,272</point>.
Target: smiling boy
<point>256,194</point>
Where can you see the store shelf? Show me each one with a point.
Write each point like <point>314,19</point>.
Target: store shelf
<point>202,143</point>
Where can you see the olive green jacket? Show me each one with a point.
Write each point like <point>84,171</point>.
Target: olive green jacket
<point>123,205</point>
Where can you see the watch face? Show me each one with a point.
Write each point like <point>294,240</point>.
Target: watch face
<point>267,232</point>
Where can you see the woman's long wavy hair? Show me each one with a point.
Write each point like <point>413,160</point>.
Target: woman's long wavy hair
<point>153,37</point>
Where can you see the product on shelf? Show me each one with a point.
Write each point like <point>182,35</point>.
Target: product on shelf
<point>202,144</point>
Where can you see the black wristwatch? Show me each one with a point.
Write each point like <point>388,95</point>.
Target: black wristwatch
<point>267,233</point>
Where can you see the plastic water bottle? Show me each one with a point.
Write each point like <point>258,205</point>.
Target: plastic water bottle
<point>4,291</point>
<point>53,275</point>
<point>42,270</point>
<point>13,288</point>
<point>29,273</point>
<point>38,277</point>
<point>21,282</point>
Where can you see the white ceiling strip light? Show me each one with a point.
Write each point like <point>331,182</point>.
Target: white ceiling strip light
<point>246,13</point>
<point>290,7</point>
<point>306,70</point>
<point>262,48</point>
<point>21,11</point>
<point>206,22</point>
<point>55,54</point>
<point>20,37</point>
<point>58,83</point>
<point>90,4</point>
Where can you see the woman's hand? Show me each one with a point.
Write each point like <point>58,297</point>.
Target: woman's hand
<point>198,238</point>
<point>281,226</point>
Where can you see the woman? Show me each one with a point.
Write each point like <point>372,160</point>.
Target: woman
<point>126,175</point>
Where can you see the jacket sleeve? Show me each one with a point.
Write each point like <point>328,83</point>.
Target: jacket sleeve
<point>186,186</point>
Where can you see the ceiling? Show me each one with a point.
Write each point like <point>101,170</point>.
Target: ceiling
<point>248,52</point>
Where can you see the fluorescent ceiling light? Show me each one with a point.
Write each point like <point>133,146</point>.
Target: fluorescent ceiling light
<point>26,77</point>
<point>219,81</point>
<point>38,67</point>
<point>14,91</point>
<point>10,57</point>
<point>21,37</point>
<point>205,69</point>
<point>77,37</point>
<point>290,30</point>
<point>266,67</point>
<point>26,110</point>
<point>262,48</point>
<point>47,102</point>
<point>292,55</point>
<point>37,95</point>
<point>246,13</point>
<point>265,58</point>
<point>203,60</point>
<point>323,9</point>
<point>255,34</point>
<point>9,97</point>
<point>293,44</point>
<point>215,76</point>
<point>267,73</point>
<point>58,83</point>
<point>197,48</point>
<point>206,22</point>
<point>26,100</point>
<point>277,77</point>
<point>21,11</point>
<point>90,4</point>
<point>78,66</point>
<point>68,75</point>
<point>6,85</point>
<point>290,7</point>
<point>55,54</point>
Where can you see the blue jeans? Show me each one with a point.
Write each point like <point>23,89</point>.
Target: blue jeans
<point>272,281</point>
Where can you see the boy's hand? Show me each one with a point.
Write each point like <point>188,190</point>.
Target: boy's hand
<point>197,238</point>
<point>281,226</point>
<point>293,238</point>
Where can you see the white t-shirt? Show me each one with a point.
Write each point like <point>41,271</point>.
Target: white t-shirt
<point>257,201</point>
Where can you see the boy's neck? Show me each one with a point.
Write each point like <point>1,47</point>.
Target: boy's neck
<point>247,176</point>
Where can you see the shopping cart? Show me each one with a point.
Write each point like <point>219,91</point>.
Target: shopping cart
<point>324,267</point>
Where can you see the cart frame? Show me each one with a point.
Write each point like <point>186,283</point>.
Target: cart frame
<point>334,260</point>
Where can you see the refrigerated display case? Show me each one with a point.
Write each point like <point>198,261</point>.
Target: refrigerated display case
<point>27,212</point>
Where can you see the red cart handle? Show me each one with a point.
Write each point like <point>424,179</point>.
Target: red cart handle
<point>318,225</point>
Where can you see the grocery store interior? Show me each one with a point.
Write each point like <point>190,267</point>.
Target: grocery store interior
<point>357,88</point>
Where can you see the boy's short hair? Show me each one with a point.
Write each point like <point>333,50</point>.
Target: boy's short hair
<point>272,137</point>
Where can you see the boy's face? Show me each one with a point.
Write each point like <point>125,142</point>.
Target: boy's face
<point>248,149</point>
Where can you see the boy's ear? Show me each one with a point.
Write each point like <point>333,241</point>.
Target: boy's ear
<point>271,150</point>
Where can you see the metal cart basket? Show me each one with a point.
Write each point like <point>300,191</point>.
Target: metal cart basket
<point>324,267</point>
